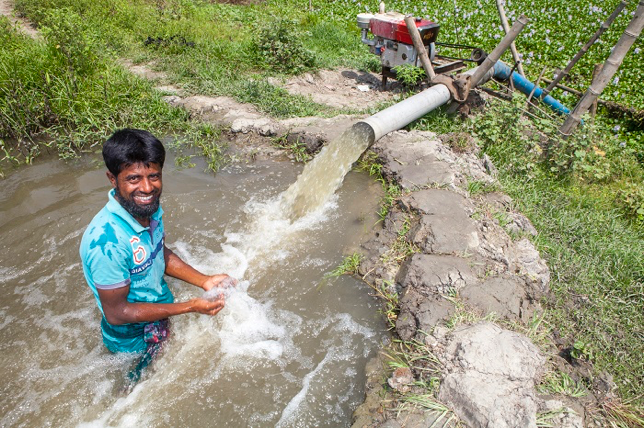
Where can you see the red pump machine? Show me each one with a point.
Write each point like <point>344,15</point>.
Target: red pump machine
<point>392,42</point>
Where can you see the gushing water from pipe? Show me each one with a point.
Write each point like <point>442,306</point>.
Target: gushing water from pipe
<point>324,174</point>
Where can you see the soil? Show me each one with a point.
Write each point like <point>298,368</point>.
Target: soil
<point>343,88</point>
<point>6,9</point>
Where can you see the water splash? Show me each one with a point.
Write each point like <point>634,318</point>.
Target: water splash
<point>256,334</point>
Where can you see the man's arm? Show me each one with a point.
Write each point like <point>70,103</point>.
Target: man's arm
<point>118,310</point>
<point>177,268</point>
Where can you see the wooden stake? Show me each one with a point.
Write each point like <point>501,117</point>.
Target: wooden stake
<point>593,107</point>
<point>506,28</point>
<point>584,49</point>
<point>536,85</point>
<point>420,47</point>
<point>611,65</point>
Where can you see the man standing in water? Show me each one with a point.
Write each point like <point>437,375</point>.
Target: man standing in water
<point>124,254</point>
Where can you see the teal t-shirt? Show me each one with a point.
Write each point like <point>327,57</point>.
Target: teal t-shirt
<point>117,251</point>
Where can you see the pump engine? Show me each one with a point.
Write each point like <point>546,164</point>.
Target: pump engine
<point>392,41</point>
<point>393,44</point>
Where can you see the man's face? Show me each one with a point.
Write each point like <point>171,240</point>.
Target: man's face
<point>138,189</point>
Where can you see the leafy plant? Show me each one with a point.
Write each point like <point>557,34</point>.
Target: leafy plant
<point>409,75</point>
<point>580,350</point>
<point>72,39</point>
<point>349,265</point>
<point>631,199</point>
<point>279,45</point>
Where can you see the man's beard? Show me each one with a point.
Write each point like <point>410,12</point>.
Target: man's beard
<point>135,210</point>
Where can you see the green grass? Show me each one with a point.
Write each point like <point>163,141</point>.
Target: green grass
<point>349,265</point>
<point>561,383</point>
<point>595,257</point>
<point>69,100</point>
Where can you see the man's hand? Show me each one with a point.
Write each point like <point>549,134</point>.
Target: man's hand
<point>119,311</point>
<point>219,280</point>
<point>207,307</point>
<point>177,268</point>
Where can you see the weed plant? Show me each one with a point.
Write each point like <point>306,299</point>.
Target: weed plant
<point>419,358</point>
<point>561,383</point>
<point>349,265</point>
<point>582,197</point>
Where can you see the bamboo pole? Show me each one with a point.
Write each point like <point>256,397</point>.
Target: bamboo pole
<point>496,53</point>
<point>584,48</point>
<point>506,28</point>
<point>566,88</point>
<point>611,65</point>
<point>536,85</point>
<point>420,47</point>
<point>593,107</point>
<point>611,105</point>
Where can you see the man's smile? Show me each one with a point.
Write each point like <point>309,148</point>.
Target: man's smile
<point>145,200</point>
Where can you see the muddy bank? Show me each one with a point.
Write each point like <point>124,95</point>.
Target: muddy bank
<point>467,273</point>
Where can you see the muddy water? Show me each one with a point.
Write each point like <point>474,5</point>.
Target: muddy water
<point>288,350</point>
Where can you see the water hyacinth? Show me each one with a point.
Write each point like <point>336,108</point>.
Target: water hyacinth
<point>547,36</point>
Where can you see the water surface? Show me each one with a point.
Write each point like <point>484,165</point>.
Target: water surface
<point>289,349</point>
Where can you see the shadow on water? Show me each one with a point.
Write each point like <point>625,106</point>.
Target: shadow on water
<point>286,351</point>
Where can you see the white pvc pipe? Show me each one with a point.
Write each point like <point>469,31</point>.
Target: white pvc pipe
<point>400,115</point>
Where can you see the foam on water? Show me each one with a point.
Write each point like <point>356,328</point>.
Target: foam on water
<point>290,412</point>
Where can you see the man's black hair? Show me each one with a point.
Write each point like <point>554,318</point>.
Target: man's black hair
<point>131,146</point>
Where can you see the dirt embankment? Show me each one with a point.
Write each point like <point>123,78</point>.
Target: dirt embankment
<point>468,272</point>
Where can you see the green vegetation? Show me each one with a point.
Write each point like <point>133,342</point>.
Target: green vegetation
<point>561,383</point>
<point>281,48</point>
<point>409,75</point>
<point>368,162</point>
<point>419,359</point>
<point>66,92</point>
<point>297,148</point>
<point>349,265</point>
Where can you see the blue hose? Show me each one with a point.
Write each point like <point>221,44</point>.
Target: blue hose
<point>502,72</point>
